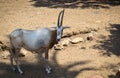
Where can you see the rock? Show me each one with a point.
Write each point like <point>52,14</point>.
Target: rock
<point>83,48</point>
<point>4,47</point>
<point>96,76</point>
<point>77,40</point>
<point>65,42</point>
<point>23,52</point>
<point>1,42</point>
<point>6,54</point>
<point>90,37</point>
<point>58,47</point>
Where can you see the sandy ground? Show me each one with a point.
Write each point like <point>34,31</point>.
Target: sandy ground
<point>99,57</point>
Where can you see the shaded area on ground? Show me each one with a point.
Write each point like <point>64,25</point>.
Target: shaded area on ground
<point>37,70</point>
<point>112,43</point>
<point>95,4</point>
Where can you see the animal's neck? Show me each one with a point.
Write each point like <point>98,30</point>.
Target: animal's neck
<point>53,39</point>
<point>54,34</point>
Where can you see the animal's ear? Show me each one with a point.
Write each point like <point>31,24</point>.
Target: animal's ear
<point>66,27</point>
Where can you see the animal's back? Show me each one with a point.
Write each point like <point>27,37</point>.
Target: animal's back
<point>36,39</point>
<point>31,39</point>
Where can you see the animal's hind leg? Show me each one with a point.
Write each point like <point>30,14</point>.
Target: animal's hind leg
<point>12,65</point>
<point>11,58</point>
<point>16,60</point>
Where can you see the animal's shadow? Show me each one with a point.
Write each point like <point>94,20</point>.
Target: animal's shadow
<point>37,70</point>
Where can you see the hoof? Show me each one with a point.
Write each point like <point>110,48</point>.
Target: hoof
<point>21,73</point>
<point>48,71</point>
<point>13,69</point>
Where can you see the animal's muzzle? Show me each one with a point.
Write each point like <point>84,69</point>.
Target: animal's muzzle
<point>58,39</point>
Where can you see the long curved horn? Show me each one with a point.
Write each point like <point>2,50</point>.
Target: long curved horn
<point>60,20</point>
<point>58,23</point>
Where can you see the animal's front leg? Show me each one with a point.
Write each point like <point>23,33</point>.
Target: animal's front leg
<point>47,67</point>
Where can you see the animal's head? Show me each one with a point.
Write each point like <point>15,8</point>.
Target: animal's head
<point>59,27</point>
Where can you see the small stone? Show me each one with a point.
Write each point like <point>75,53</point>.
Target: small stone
<point>23,52</point>
<point>1,42</point>
<point>65,42</point>
<point>90,37</point>
<point>83,47</point>
<point>77,40</point>
<point>6,54</point>
<point>58,47</point>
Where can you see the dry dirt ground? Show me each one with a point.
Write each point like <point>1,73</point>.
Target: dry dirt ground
<point>101,56</point>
